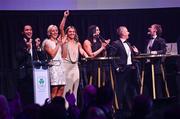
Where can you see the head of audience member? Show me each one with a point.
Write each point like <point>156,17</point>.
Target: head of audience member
<point>54,109</point>
<point>4,108</point>
<point>15,105</point>
<point>95,113</point>
<point>31,111</point>
<point>71,33</point>
<point>27,32</point>
<point>173,112</point>
<point>142,105</point>
<point>52,32</point>
<point>93,31</point>
<point>89,95</point>
<point>155,30</point>
<point>105,96</point>
<point>123,32</point>
<point>58,100</point>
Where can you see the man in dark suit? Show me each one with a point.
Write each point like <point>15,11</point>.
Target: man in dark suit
<point>178,70</point>
<point>178,47</point>
<point>26,52</point>
<point>154,45</point>
<point>125,84</point>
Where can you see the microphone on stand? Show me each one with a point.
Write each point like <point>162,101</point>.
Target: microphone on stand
<point>101,38</point>
<point>104,41</point>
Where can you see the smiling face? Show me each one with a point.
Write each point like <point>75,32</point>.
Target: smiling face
<point>27,32</point>
<point>123,32</point>
<point>152,30</point>
<point>97,32</point>
<point>71,33</point>
<point>53,31</point>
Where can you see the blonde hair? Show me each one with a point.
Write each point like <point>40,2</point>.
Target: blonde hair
<point>50,28</point>
<point>120,30</point>
<point>72,27</point>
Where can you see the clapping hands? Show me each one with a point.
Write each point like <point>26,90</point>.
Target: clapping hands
<point>105,43</point>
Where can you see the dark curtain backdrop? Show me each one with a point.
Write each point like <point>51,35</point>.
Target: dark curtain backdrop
<point>136,20</point>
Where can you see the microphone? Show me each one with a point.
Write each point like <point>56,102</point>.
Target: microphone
<point>102,39</point>
<point>99,37</point>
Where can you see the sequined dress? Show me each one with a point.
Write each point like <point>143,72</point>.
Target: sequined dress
<point>56,67</point>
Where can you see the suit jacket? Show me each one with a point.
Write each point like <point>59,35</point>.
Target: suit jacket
<point>178,44</point>
<point>178,58</point>
<point>159,45</point>
<point>23,56</point>
<point>118,50</point>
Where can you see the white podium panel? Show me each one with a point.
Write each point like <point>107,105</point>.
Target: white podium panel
<point>41,85</point>
<point>171,48</point>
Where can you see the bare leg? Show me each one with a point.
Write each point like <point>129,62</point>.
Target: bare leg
<point>54,91</point>
<point>60,91</point>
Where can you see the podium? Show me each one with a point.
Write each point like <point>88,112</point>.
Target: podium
<point>101,74</point>
<point>150,57</point>
<point>41,82</point>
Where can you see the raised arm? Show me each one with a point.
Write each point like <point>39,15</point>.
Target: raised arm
<point>62,23</point>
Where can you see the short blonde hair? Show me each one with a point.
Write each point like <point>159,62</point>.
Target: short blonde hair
<point>120,30</point>
<point>50,28</point>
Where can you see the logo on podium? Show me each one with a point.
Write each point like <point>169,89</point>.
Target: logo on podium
<point>41,84</point>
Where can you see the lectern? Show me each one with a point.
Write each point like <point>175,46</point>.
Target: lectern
<point>101,74</point>
<point>41,82</point>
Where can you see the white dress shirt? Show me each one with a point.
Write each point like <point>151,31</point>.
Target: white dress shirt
<point>150,44</point>
<point>128,51</point>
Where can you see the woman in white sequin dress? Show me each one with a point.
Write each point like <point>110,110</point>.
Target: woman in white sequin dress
<point>56,69</point>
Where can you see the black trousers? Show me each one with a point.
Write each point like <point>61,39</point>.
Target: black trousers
<point>126,87</point>
<point>25,86</point>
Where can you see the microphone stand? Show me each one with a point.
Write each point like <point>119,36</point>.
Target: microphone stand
<point>103,40</point>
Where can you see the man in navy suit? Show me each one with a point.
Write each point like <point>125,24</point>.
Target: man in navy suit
<point>125,84</point>
<point>154,45</point>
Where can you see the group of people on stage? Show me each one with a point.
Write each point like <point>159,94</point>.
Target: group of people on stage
<point>63,49</point>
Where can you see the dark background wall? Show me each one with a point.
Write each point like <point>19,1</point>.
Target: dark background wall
<point>136,20</point>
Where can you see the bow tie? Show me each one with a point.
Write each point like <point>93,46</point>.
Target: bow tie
<point>125,41</point>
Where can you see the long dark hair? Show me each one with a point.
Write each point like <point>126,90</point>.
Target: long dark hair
<point>91,31</point>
